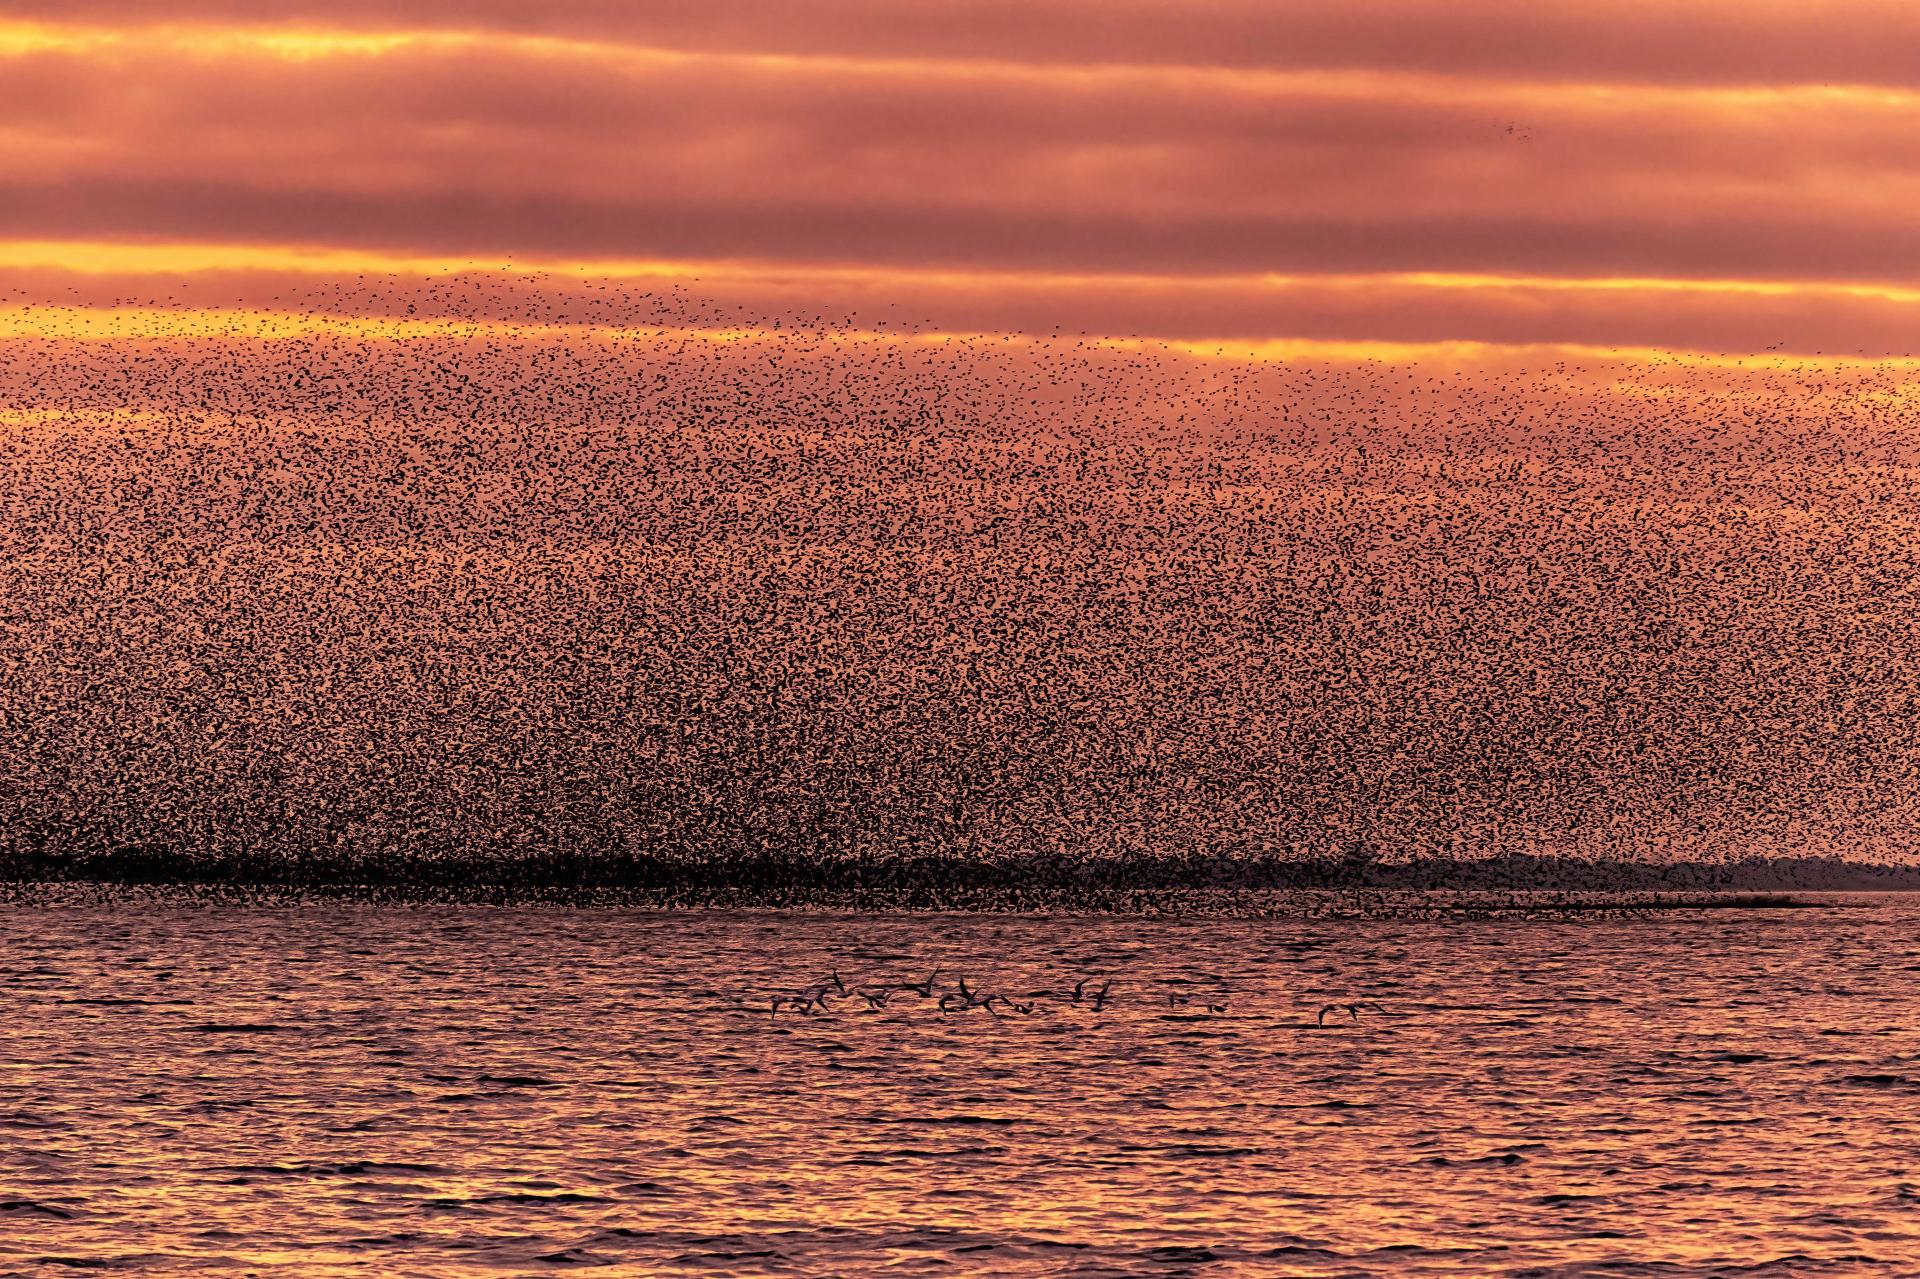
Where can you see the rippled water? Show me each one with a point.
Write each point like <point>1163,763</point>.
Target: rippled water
<point>411,1091</point>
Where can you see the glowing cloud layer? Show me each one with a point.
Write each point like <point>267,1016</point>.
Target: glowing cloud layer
<point>1694,177</point>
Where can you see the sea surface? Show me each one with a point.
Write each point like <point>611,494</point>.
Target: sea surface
<point>419,1091</point>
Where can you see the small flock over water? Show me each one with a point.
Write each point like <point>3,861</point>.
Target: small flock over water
<point>832,994</point>
<point>959,997</point>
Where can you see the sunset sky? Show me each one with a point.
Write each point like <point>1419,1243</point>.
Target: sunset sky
<point>1707,177</point>
<point>1496,420</point>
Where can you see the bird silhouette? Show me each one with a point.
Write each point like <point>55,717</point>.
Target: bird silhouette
<point>1352,1010</point>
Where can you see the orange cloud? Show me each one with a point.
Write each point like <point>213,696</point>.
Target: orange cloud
<point>1387,307</point>
<point>1722,42</point>
<point>1191,174</point>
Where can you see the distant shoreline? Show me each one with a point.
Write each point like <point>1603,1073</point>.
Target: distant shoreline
<point>1192,904</point>
<point>1172,885</point>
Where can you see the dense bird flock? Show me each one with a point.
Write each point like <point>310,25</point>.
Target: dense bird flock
<point>605,582</point>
